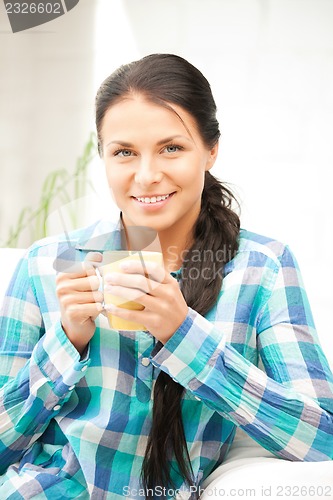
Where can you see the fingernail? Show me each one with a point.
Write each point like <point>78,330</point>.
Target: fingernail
<point>97,256</point>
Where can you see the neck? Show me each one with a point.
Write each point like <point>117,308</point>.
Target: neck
<point>174,250</point>
<point>172,244</point>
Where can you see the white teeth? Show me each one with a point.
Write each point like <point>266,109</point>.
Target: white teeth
<point>153,199</point>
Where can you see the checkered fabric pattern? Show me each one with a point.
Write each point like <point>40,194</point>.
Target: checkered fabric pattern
<point>77,428</point>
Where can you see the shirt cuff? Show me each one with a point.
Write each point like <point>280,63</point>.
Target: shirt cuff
<point>57,360</point>
<point>191,351</point>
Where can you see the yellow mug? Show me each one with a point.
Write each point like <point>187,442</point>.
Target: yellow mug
<point>113,259</point>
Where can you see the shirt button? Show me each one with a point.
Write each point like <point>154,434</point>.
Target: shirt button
<point>56,407</point>
<point>145,361</point>
<point>84,368</point>
<point>71,387</point>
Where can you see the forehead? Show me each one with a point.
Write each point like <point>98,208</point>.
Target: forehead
<point>136,112</point>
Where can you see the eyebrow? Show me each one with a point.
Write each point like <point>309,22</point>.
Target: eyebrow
<point>159,143</point>
<point>172,138</point>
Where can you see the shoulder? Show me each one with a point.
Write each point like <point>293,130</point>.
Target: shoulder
<point>96,236</point>
<point>59,252</point>
<point>258,243</point>
<point>255,243</point>
<point>256,250</point>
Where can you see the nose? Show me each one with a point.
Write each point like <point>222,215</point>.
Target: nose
<point>148,172</point>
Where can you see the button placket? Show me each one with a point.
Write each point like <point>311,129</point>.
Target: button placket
<point>144,367</point>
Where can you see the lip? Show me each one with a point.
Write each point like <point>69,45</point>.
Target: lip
<point>152,206</point>
<point>152,195</point>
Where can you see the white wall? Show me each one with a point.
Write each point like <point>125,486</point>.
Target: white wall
<point>46,105</point>
<point>270,63</point>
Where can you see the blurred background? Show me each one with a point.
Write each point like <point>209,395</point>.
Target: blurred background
<point>270,64</point>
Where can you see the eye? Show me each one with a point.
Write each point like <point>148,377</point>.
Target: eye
<point>123,152</point>
<point>173,148</point>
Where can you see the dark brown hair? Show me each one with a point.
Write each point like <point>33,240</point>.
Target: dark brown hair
<point>168,79</point>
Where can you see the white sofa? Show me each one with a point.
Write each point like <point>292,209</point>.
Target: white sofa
<point>249,471</point>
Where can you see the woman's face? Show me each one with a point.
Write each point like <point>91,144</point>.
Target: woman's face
<point>155,164</point>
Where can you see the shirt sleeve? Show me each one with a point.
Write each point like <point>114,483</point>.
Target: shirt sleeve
<point>38,368</point>
<point>287,406</point>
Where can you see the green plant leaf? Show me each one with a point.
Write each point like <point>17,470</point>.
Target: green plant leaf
<point>60,187</point>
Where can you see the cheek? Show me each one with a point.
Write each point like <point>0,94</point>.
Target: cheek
<point>195,178</point>
<point>119,185</point>
<point>114,177</point>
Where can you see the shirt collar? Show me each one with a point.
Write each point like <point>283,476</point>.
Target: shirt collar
<point>104,235</point>
<point>108,235</point>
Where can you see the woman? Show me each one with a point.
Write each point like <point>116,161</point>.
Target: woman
<point>86,412</point>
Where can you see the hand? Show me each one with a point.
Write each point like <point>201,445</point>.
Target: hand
<point>80,301</point>
<point>165,308</point>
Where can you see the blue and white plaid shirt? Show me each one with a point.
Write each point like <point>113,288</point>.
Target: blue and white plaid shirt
<point>77,429</point>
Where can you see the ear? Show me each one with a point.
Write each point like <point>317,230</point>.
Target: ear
<point>212,155</point>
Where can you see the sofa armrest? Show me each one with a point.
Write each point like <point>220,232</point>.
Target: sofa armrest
<point>250,471</point>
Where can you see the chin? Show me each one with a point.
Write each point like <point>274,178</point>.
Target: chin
<point>152,221</point>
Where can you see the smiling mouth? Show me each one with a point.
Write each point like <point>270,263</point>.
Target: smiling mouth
<point>152,199</point>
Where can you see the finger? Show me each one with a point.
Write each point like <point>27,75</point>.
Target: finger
<point>82,269</point>
<point>94,258</point>
<point>82,298</point>
<point>79,313</point>
<point>153,270</point>
<point>137,281</point>
<point>81,284</point>
<point>140,317</point>
<point>122,294</point>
